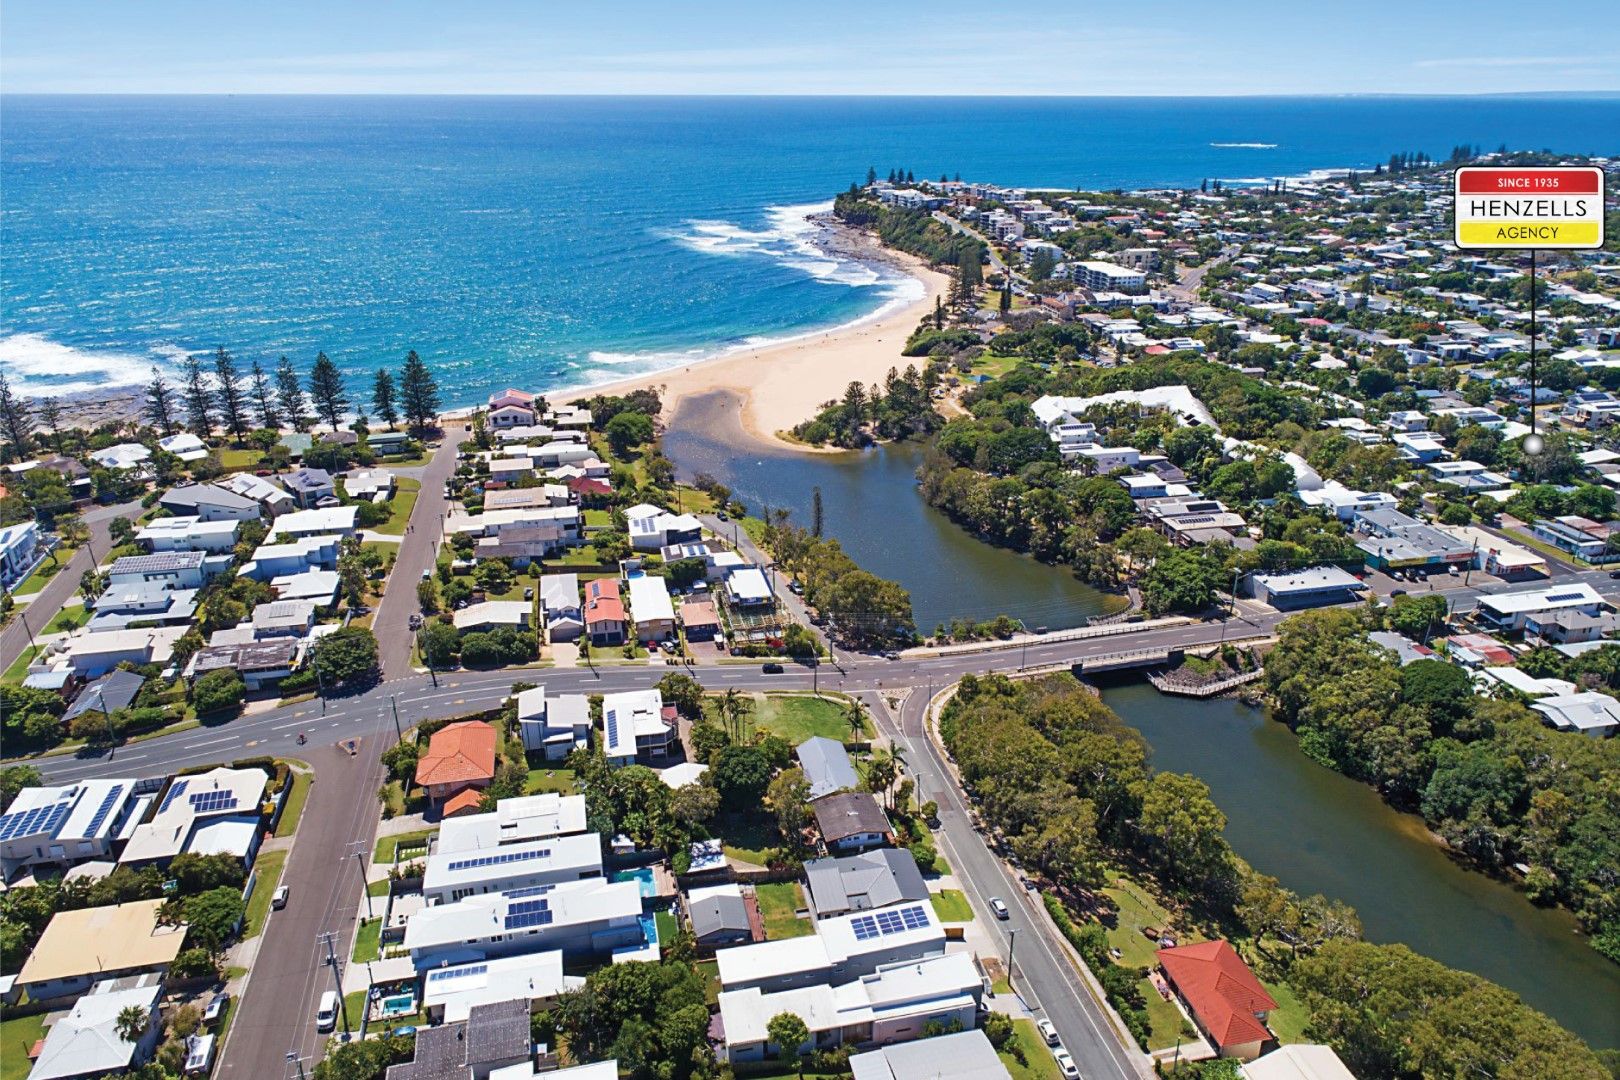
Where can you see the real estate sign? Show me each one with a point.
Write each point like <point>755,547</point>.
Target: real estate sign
<point>1548,207</point>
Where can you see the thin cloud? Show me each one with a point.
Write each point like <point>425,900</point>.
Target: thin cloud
<point>1516,61</point>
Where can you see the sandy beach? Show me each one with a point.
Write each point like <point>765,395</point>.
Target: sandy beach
<point>778,386</point>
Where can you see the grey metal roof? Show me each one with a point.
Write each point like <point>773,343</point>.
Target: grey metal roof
<point>113,691</point>
<point>307,480</point>
<point>826,766</point>
<point>718,914</point>
<point>965,1055</point>
<point>195,495</point>
<point>872,879</point>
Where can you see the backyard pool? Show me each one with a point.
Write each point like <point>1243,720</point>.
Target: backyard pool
<point>398,1005</point>
<point>643,877</point>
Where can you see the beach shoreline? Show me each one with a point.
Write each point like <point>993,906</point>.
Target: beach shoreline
<point>778,385</point>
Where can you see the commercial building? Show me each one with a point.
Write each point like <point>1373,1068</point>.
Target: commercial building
<point>1312,587</point>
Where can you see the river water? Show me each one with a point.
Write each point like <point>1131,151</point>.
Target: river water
<point>1316,831</point>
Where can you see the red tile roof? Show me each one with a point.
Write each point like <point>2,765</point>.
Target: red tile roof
<point>1220,989</point>
<point>461,753</point>
<point>588,485</point>
<point>602,602</point>
<point>465,801</point>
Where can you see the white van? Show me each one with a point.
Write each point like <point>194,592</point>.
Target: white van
<point>326,1015</point>
<point>199,1055</point>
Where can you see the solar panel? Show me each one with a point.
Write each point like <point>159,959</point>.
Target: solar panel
<point>40,819</point>
<point>500,859</point>
<point>865,927</point>
<point>177,789</point>
<point>915,918</point>
<point>104,809</point>
<point>612,722</point>
<point>888,921</point>
<point>446,974</point>
<point>530,890</point>
<point>206,802</point>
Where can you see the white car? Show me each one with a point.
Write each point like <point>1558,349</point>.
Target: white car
<point>1066,1064</point>
<point>326,1012</point>
<point>999,908</point>
<point>1048,1032</point>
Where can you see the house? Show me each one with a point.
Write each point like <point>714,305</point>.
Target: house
<point>89,1040</point>
<point>257,662</point>
<point>283,618</point>
<point>896,1003</point>
<point>387,443</point>
<point>1222,995</point>
<point>494,614</point>
<point>1588,713</point>
<point>320,586</point>
<point>514,821</point>
<point>580,918</point>
<point>1298,1061</point>
<point>962,1055</point>
<point>455,875</point>
<point>826,766</point>
<point>272,499</point>
<point>873,879</point>
<point>493,1036</point>
<point>19,549</point>
<point>67,825</point>
<point>451,992</point>
<point>171,569</point>
<point>113,691</point>
<point>560,607</point>
<point>370,485</point>
<point>1569,627</point>
<point>460,757</point>
<point>653,528</point>
<point>851,820</point>
<point>279,560</point>
<point>91,655</point>
<point>719,916</point>
<point>636,726</point>
<point>328,521</point>
<point>512,408</point>
<point>1508,612</point>
<point>310,487</point>
<point>1470,476</point>
<point>212,502</point>
<point>217,812</point>
<point>555,726</point>
<point>122,457</point>
<point>699,621</point>
<point>121,606</point>
<point>1312,587</point>
<point>842,949</point>
<point>1577,535</point>
<point>84,946</point>
<point>185,446</point>
<point>651,608</point>
<point>189,534</point>
<point>604,612</point>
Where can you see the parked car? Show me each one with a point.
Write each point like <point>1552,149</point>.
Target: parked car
<point>772,669</point>
<point>326,1012</point>
<point>216,1008</point>
<point>528,594</point>
<point>278,899</point>
<point>998,907</point>
<point>1048,1032</point>
<point>416,621</point>
<point>1066,1064</point>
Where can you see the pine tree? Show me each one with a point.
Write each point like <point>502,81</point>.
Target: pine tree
<point>50,413</point>
<point>294,406</point>
<point>815,511</point>
<point>228,392</point>
<point>264,398</point>
<point>326,390</point>
<point>911,177</point>
<point>160,402</point>
<point>15,419</point>
<point>1006,296</point>
<point>871,176</point>
<point>199,400</point>
<point>419,393</point>
<point>382,398</point>
<point>939,313</point>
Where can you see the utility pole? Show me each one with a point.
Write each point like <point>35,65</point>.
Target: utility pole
<point>431,673</point>
<point>1012,939</point>
<point>294,1059</point>
<point>337,979</point>
<point>23,615</point>
<point>394,704</point>
<point>356,849</point>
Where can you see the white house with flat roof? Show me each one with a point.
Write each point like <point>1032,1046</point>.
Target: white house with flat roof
<point>189,534</point>
<point>843,948</point>
<point>634,726</point>
<point>449,993</point>
<point>455,875</point>
<point>94,654</point>
<point>1508,611</point>
<point>213,812</point>
<point>326,521</point>
<point>514,821</point>
<point>64,825</point>
<point>554,725</point>
<point>289,557</point>
<point>581,918</point>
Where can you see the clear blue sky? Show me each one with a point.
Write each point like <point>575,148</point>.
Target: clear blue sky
<point>825,47</point>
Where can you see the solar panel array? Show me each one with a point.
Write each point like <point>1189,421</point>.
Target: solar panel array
<point>39,819</point>
<point>612,722</point>
<point>177,789</point>
<point>529,890</point>
<point>446,974</point>
<point>500,859</point>
<point>529,913</point>
<point>889,921</point>
<point>206,802</point>
<point>104,809</point>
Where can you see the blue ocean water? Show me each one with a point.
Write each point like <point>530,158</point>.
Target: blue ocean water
<point>557,241</point>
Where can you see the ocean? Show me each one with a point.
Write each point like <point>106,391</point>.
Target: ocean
<point>550,242</point>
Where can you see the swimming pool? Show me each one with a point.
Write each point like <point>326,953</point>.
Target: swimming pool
<point>649,928</point>
<point>398,1005</point>
<point>644,879</point>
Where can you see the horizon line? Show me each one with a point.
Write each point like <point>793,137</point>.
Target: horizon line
<point>809,95</point>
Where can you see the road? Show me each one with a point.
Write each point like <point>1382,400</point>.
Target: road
<point>59,590</point>
<point>956,226</point>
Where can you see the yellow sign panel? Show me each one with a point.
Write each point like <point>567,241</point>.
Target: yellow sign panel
<point>1548,208</point>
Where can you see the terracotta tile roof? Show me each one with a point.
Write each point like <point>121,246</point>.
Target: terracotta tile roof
<point>602,602</point>
<point>459,754</point>
<point>466,801</point>
<point>1220,989</point>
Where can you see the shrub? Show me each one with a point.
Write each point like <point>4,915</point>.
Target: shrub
<point>194,964</point>
<point>218,691</point>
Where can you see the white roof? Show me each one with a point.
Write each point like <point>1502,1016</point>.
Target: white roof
<point>529,817</point>
<point>494,612</point>
<point>1299,1061</point>
<point>963,1055</point>
<point>577,856</point>
<point>1310,580</point>
<point>86,1042</point>
<point>1551,598</point>
<point>687,772</point>
<point>122,456</point>
<point>1589,711</point>
<point>1527,684</point>
<point>331,519</point>
<point>481,917</point>
<point>748,585</point>
<point>596,1070</point>
<point>649,600</point>
<point>834,942</point>
<point>559,591</point>
<point>185,446</point>
<point>458,987</point>
<point>92,809</point>
<point>628,714</point>
<point>186,526</point>
<point>307,585</point>
<point>221,792</point>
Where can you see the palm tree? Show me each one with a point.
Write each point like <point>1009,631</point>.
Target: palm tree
<point>733,707</point>
<point>132,1023</point>
<point>880,772</point>
<point>855,713</point>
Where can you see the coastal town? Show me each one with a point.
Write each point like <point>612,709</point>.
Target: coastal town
<point>350,736</point>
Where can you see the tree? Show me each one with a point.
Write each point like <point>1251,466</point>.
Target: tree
<point>365,1060</point>
<point>218,691</point>
<point>228,392</point>
<point>684,692</point>
<point>815,511</point>
<point>882,769</point>
<point>789,1033</point>
<point>264,398</point>
<point>628,430</point>
<point>1183,828</point>
<point>15,419</point>
<point>211,917</point>
<point>693,804</point>
<point>160,402</point>
<point>199,399</point>
<point>439,643</point>
<point>345,656</point>
<point>92,584</point>
<point>132,1023</point>
<point>734,709</point>
<point>290,395</point>
<point>382,398</point>
<point>1418,616</point>
<point>326,390</point>
<point>419,394</point>
<point>50,414</point>
<point>13,779</point>
<point>741,775</point>
<point>1184,580</point>
<point>788,797</point>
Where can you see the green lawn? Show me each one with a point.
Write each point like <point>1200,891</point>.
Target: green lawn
<point>388,847</point>
<point>777,903</point>
<point>667,927</point>
<point>365,942</point>
<point>67,620</point>
<point>598,519</point>
<point>17,1037</point>
<point>951,906</point>
<point>377,888</point>
<point>795,717</point>
<point>747,836</point>
<point>1287,1021</point>
<point>710,970</point>
<point>258,906</point>
<point>1037,1061</point>
<point>47,570</point>
<point>295,803</point>
<point>550,778</point>
<point>400,506</point>
<point>1164,1019</point>
<point>354,1007</point>
<point>1136,910</point>
<point>18,670</point>
<point>237,460</point>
